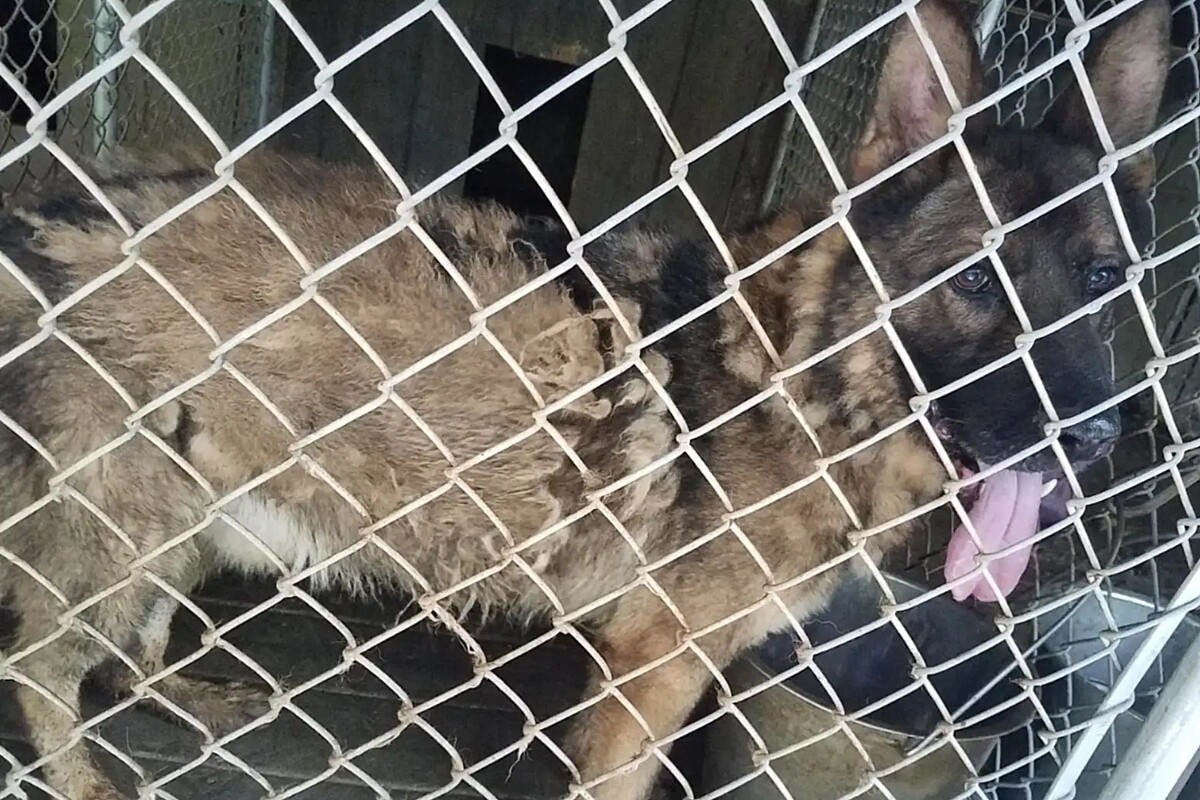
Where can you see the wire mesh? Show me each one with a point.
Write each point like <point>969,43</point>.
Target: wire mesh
<point>213,48</point>
<point>1137,527</point>
<point>1087,616</point>
<point>838,96</point>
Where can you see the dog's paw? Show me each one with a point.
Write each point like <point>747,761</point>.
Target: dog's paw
<point>221,707</point>
<point>227,707</point>
<point>106,792</point>
<point>87,782</point>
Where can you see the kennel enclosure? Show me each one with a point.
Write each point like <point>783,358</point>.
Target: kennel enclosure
<point>698,115</point>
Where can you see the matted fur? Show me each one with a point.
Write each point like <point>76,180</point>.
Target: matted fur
<point>226,261</point>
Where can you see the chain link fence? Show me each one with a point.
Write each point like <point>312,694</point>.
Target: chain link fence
<point>1097,631</point>
<point>216,51</point>
<point>1137,528</point>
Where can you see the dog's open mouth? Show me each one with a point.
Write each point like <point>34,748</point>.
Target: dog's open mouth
<point>1006,508</point>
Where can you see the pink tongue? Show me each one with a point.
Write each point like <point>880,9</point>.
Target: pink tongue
<point>1005,514</point>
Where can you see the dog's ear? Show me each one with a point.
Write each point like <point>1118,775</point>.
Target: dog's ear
<point>1127,67</point>
<point>911,109</point>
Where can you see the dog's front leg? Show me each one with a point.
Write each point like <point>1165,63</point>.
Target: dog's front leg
<point>615,748</point>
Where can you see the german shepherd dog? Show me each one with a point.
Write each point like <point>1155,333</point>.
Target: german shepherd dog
<point>209,407</point>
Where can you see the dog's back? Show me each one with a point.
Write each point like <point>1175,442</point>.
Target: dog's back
<point>356,383</point>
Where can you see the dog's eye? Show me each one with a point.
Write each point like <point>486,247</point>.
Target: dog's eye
<point>1103,278</point>
<point>972,280</point>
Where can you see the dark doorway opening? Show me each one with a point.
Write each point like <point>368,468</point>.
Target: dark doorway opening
<point>551,134</point>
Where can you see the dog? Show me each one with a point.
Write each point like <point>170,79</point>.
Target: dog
<point>235,391</point>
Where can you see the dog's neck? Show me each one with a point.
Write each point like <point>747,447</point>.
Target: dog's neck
<point>809,301</point>
<point>843,400</point>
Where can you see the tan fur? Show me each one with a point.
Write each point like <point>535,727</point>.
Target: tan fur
<point>226,262</point>
<point>339,455</point>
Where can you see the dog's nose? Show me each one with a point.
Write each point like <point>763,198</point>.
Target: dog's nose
<point>1093,438</point>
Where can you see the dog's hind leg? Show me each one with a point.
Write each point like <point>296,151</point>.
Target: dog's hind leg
<point>219,707</point>
<point>88,590</point>
<point>48,694</point>
<point>51,658</point>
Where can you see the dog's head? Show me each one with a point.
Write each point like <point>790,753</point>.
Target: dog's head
<point>1062,251</point>
<point>929,217</point>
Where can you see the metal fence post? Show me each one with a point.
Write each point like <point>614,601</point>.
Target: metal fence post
<point>106,26</point>
<point>1167,743</point>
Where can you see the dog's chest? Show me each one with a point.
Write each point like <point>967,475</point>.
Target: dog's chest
<point>277,529</point>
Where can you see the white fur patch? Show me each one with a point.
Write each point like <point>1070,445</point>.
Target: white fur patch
<point>277,528</point>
